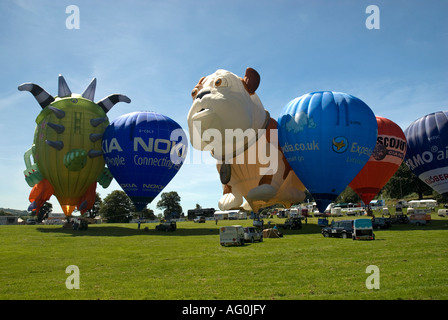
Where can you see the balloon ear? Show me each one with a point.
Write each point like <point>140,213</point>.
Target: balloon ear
<point>251,80</point>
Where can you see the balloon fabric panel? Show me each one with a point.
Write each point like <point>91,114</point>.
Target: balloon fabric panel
<point>137,149</point>
<point>327,137</point>
<point>427,150</point>
<point>67,145</point>
<point>387,156</point>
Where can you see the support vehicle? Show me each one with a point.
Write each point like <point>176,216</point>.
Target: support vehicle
<point>363,229</point>
<point>167,226</point>
<point>292,223</point>
<point>420,217</point>
<point>231,235</point>
<point>339,229</point>
<point>252,234</point>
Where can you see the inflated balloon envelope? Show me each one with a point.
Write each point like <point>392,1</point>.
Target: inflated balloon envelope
<point>387,156</point>
<point>427,150</point>
<point>327,138</point>
<point>66,150</point>
<point>254,169</point>
<point>144,151</point>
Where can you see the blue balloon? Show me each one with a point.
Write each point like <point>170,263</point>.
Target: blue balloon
<point>144,151</point>
<point>427,150</point>
<point>327,138</point>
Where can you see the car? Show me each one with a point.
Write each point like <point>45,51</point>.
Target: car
<point>381,223</point>
<point>200,219</point>
<point>442,212</point>
<point>292,223</point>
<point>30,221</point>
<point>339,229</point>
<point>252,234</point>
<point>166,226</point>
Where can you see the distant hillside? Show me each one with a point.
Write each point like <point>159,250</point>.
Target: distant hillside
<point>15,211</point>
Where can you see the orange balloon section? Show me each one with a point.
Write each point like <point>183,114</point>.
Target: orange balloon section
<point>388,155</point>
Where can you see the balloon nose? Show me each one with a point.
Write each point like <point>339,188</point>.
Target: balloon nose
<point>202,93</point>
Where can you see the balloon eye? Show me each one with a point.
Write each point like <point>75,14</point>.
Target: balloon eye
<point>194,92</point>
<point>218,82</point>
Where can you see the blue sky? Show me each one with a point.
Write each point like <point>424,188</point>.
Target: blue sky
<point>156,51</point>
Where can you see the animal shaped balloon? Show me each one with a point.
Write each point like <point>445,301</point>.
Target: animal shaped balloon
<point>387,156</point>
<point>327,138</point>
<point>144,151</point>
<point>66,152</point>
<point>427,150</point>
<point>228,119</point>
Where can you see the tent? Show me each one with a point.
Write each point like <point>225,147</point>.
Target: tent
<point>271,233</point>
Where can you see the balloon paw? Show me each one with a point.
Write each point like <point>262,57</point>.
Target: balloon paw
<point>105,178</point>
<point>230,201</point>
<point>75,159</point>
<point>32,175</point>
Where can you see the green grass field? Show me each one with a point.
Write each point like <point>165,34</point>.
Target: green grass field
<point>118,261</point>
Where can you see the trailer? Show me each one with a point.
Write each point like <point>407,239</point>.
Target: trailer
<point>231,235</point>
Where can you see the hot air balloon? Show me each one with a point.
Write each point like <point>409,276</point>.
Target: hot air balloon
<point>66,151</point>
<point>327,137</point>
<point>144,151</point>
<point>387,156</point>
<point>228,119</point>
<point>427,150</point>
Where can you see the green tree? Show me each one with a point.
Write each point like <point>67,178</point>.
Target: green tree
<point>170,204</point>
<point>146,214</point>
<point>348,196</point>
<point>117,207</point>
<point>404,182</point>
<point>92,213</point>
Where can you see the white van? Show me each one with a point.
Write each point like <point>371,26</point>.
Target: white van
<point>231,235</point>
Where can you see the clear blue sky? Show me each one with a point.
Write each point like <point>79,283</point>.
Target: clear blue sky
<point>156,51</point>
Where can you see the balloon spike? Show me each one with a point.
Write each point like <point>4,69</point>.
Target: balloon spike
<point>94,153</point>
<point>63,89</point>
<point>95,122</point>
<point>89,93</point>
<point>58,145</point>
<point>42,96</point>
<point>59,128</point>
<point>94,137</point>
<point>58,112</point>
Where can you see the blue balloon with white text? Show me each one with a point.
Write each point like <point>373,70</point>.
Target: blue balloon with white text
<point>327,138</point>
<point>144,151</point>
<point>427,150</point>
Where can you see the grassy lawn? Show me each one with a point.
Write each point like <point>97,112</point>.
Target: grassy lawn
<point>118,261</point>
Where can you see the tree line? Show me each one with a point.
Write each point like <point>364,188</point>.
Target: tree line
<point>118,207</point>
<point>403,184</point>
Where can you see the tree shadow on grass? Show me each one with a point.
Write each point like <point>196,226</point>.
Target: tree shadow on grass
<point>123,231</point>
